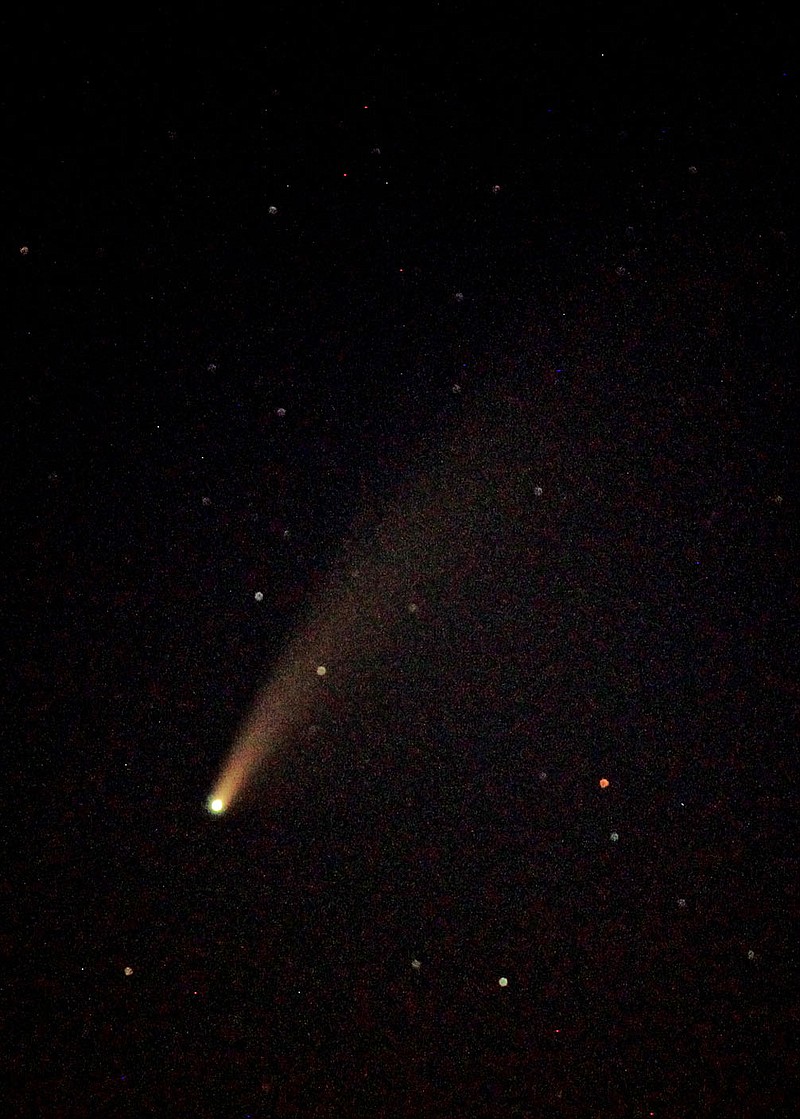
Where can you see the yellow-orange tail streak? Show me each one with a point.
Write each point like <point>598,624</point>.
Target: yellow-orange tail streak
<point>284,703</point>
<point>430,530</point>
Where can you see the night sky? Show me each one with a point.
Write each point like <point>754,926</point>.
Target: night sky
<point>458,361</point>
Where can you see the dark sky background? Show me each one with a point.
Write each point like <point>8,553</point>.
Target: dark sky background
<point>527,292</point>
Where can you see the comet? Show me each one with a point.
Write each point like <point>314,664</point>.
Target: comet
<point>406,548</point>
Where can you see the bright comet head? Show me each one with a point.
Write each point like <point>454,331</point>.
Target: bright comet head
<point>216,805</point>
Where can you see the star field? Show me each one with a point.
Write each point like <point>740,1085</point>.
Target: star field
<point>401,602</point>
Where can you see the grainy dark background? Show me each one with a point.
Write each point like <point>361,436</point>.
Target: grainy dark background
<point>563,242</point>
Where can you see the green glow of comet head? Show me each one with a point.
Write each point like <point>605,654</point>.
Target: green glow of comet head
<point>216,806</point>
